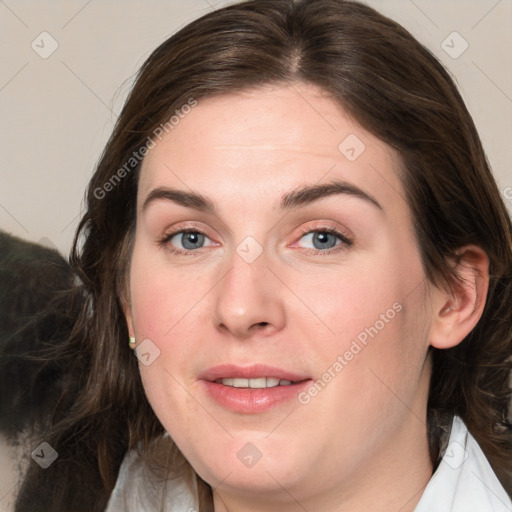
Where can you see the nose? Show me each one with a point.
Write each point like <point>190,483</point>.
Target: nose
<point>249,300</point>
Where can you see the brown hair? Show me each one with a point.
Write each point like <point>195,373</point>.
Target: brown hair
<point>397,90</point>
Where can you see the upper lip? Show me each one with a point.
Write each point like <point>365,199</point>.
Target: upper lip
<point>225,371</point>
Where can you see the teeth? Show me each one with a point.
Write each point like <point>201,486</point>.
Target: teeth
<point>259,383</point>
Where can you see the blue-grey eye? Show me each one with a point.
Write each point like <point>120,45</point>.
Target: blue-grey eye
<point>322,239</point>
<point>189,240</point>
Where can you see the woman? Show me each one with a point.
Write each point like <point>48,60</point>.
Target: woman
<point>295,225</point>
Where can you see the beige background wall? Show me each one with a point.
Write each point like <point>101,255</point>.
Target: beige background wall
<point>57,112</point>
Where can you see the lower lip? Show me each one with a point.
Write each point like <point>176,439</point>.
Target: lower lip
<point>252,401</point>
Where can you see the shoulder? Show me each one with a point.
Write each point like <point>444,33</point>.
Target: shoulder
<point>464,480</point>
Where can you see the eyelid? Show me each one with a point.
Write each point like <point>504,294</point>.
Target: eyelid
<point>184,227</point>
<point>345,234</point>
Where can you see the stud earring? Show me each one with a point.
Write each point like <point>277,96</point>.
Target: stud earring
<point>131,342</point>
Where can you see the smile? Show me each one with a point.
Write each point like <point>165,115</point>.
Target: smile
<point>252,389</point>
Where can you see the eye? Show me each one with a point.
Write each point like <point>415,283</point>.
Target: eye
<point>324,240</point>
<point>186,241</point>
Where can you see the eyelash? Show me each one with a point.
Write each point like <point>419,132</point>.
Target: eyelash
<point>346,242</point>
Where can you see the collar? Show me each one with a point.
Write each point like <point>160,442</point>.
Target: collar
<point>464,480</point>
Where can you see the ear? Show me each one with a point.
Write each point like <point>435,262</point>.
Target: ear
<point>457,311</point>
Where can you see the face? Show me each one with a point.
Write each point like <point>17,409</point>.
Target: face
<point>277,285</point>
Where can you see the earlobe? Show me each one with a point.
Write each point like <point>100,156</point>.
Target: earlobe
<point>456,312</point>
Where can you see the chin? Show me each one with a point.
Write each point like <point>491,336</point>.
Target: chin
<point>250,464</point>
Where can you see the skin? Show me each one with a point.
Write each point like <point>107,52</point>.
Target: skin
<point>361,443</point>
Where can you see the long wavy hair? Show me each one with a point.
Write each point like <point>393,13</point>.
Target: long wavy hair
<point>397,90</point>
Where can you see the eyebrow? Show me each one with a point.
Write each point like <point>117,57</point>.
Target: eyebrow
<point>294,199</point>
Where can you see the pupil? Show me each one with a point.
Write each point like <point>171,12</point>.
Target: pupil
<point>324,240</point>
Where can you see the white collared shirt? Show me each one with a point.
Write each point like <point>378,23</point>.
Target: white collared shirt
<point>463,482</point>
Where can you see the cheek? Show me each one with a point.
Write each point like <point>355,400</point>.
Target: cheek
<point>370,374</point>
<point>375,334</point>
<point>164,310</point>
<point>353,305</point>
<point>161,297</point>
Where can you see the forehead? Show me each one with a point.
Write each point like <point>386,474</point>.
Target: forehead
<point>263,142</point>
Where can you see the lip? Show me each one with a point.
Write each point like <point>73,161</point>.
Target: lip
<point>254,371</point>
<point>249,400</point>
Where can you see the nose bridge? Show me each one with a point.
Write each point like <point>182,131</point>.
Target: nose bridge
<point>249,297</point>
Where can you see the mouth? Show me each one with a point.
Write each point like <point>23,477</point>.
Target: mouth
<point>252,389</point>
